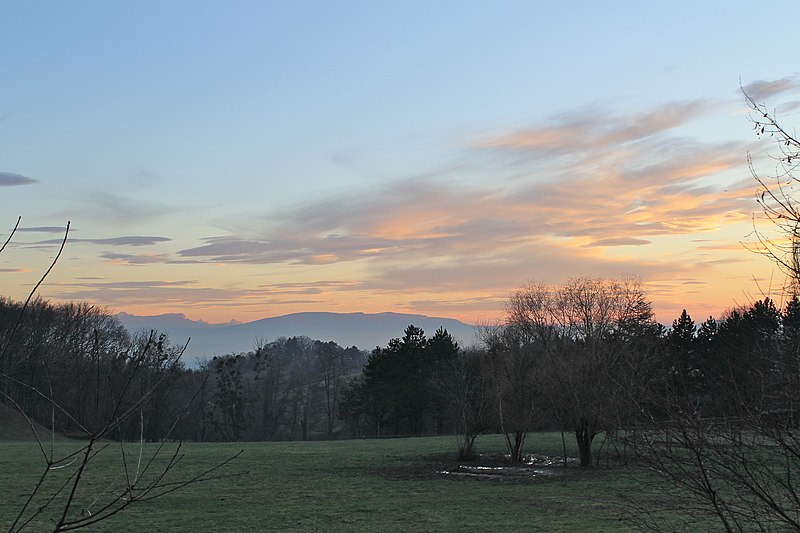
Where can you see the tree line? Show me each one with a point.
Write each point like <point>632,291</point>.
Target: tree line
<point>61,363</point>
<point>586,356</point>
<point>82,360</point>
<point>711,408</point>
<point>289,388</point>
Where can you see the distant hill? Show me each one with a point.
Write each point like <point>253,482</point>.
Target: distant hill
<point>365,331</point>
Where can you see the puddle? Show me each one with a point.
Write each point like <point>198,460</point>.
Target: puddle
<point>534,466</point>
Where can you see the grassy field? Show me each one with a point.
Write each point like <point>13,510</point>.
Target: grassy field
<point>353,485</point>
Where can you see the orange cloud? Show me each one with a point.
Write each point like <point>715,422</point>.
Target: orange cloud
<point>591,193</point>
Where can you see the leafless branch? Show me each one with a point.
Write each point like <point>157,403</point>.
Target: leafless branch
<point>147,482</point>
<point>33,291</point>
<point>11,235</point>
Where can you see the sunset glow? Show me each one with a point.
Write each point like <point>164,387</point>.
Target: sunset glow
<point>253,160</point>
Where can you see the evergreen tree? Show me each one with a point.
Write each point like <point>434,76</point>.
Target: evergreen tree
<point>398,391</point>
<point>684,365</point>
<point>442,356</point>
<point>682,342</point>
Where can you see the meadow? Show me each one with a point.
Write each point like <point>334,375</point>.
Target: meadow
<point>358,485</point>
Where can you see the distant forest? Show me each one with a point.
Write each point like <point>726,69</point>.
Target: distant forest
<point>84,358</point>
<point>588,377</point>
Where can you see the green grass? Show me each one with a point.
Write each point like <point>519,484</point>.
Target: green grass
<point>353,485</point>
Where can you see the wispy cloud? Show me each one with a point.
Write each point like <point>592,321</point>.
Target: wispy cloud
<point>586,192</point>
<point>130,240</point>
<point>8,179</point>
<point>137,285</point>
<point>593,127</point>
<point>176,294</point>
<point>627,185</point>
<point>135,259</point>
<point>761,90</point>
<point>311,287</point>
<point>620,241</point>
<point>44,229</point>
<point>603,207</point>
<point>115,209</point>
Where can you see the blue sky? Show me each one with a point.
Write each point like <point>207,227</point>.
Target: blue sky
<point>362,156</point>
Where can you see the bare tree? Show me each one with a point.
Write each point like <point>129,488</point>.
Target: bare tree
<point>464,385</point>
<point>144,476</point>
<point>510,363</point>
<point>331,366</point>
<point>271,370</point>
<point>776,194</point>
<point>735,456</point>
<point>741,470</point>
<point>731,453</point>
<point>303,385</point>
<point>581,333</point>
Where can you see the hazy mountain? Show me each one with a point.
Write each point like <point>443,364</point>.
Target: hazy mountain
<point>346,329</point>
<point>165,321</point>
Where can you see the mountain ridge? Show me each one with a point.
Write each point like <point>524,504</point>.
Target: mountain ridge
<point>364,330</point>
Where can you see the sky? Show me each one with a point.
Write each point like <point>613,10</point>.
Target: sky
<point>238,160</point>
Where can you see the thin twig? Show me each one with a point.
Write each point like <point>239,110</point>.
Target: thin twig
<point>33,291</point>
<point>11,235</point>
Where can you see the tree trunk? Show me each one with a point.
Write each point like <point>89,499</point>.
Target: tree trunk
<point>519,442</point>
<point>584,439</point>
<point>331,416</point>
<point>466,451</point>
